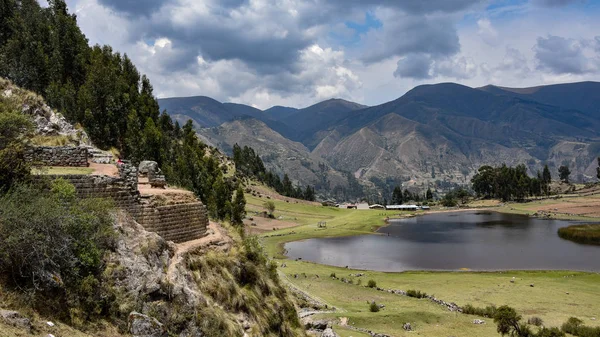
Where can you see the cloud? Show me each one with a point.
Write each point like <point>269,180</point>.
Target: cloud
<point>296,52</point>
<point>555,3</point>
<point>404,34</point>
<point>134,7</point>
<point>417,66</point>
<point>487,32</point>
<point>561,55</point>
<point>423,66</point>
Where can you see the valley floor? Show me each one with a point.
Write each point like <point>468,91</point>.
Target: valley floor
<point>556,295</point>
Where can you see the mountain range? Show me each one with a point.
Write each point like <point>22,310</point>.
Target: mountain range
<point>432,136</point>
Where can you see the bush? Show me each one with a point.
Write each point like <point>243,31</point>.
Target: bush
<point>535,321</point>
<point>373,307</point>
<point>553,332</point>
<point>575,327</point>
<point>489,311</point>
<point>51,240</point>
<point>372,284</point>
<point>415,294</point>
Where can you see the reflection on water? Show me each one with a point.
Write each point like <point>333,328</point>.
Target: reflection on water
<point>451,241</point>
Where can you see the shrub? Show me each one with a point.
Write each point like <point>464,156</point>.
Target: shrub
<point>535,321</point>
<point>553,332</point>
<point>269,206</point>
<point>51,240</point>
<point>572,325</point>
<point>332,275</point>
<point>372,284</point>
<point>575,327</point>
<point>489,311</point>
<point>415,293</point>
<point>373,307</point>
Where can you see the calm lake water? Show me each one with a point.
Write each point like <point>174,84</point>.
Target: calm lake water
<point>451,241</point>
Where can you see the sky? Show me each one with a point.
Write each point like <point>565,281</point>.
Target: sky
<point>299,52</point>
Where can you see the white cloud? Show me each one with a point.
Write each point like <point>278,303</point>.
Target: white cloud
<point>294,53</point>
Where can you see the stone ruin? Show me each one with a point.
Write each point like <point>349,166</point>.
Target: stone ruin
<point>72,156</point>
<point>178,222</point>
<point>154,174</point>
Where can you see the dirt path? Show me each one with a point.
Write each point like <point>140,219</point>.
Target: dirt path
<point>217,236</point>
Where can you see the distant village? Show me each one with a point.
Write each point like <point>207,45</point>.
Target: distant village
<point>366,206</point>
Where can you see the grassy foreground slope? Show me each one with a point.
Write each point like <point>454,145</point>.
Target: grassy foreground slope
<point>556,295</point>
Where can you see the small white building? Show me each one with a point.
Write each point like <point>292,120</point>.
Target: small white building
<point>402,207</point>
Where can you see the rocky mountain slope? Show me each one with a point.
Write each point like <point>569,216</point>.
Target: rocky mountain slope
<point>432,134</point>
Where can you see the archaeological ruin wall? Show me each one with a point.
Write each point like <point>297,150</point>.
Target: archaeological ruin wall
<point>73,156</point>
<point>177,223</point>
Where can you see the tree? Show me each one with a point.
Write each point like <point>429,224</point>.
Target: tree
<point>598,169</point>
<point>508,323</point>
<point>564,173</point>
<point>546,180</point>
<point>397,196</point>
<point>429,194</point>
<point>269,206</point>
<point>238,207</point>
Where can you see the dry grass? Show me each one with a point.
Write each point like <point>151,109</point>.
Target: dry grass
<point>59,140</point>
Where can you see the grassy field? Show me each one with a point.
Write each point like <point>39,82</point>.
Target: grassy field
<point>555,297</point>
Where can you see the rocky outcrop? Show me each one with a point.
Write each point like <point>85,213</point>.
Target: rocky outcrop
<point>141,325</point>
<point>14,318</point>
<point>72,156</point>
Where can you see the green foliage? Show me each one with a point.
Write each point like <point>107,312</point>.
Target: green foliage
<point>575,327</point>
<point>238,207</point>
<point>269,206</point>
<point>372,284</point>
<point>429,195</point>
<point>415,293</point>
<point>14,127</point>
<point>564,173</point>
<point>489,311</point>
<point>552,332</point>
<point>586,234</point>
<point>373,307</point>
<point>508,322</point>
<point>49,241</point>
<point>509,183</point>
<point>598,169</point>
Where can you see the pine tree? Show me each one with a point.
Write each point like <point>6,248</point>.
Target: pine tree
<point>564,173</point>
<point>598,169</point>
<point>238,207</point>
<point>429,194</point>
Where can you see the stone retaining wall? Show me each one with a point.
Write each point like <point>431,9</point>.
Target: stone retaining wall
<point>177,223</point>
<point>74,156</point>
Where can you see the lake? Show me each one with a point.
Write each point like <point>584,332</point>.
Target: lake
<point>474,240</point>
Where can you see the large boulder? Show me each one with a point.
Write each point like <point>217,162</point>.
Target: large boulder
<point>15,319</point>
<point>147,166</point>
<point>141,325</point>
